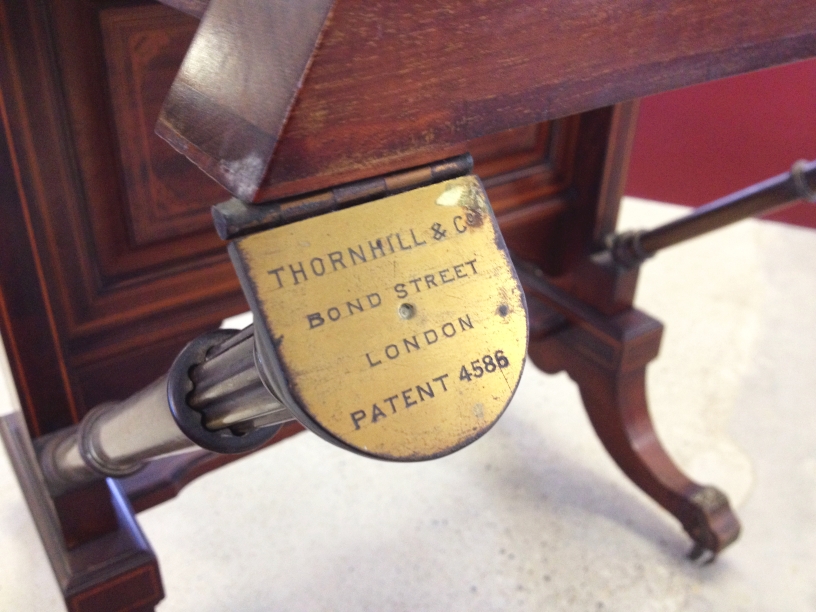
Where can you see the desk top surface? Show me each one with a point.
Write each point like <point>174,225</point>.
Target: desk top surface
<point>390,84</point>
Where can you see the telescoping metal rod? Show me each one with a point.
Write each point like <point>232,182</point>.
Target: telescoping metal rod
<point>213,397</point>
<point>632,248</point>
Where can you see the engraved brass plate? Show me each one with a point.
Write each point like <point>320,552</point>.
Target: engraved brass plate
<point>397,327</point>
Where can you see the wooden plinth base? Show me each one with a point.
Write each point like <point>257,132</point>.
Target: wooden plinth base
<point>115,572</point>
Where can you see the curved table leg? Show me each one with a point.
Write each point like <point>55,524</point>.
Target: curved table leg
<point>609,366</point>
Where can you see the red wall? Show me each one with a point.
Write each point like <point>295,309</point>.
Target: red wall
<point>696,144</point>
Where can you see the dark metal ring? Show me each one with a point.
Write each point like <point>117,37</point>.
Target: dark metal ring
<point>189,420</point>
<point>627,250</point>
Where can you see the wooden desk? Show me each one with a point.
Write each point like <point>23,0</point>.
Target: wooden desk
<point>109,264</point>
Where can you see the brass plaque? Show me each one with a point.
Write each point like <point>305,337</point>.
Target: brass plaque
<point>398,326</point>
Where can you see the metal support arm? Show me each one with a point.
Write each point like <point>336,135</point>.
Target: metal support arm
<point>630,249</point>
<point>212,397</point>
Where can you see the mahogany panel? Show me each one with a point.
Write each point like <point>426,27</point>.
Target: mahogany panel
<point>26,325</point>
<point>100,277</point>
<point>556,232</point>
<point>526,165</point>
<point>28,320</point>
<point>143,46</point>
<point>86,294</point>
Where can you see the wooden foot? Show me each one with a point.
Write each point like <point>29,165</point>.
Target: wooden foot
<point>116,571</point>
<point>607,357</point>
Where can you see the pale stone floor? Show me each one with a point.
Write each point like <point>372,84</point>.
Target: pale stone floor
<point>534,516</point>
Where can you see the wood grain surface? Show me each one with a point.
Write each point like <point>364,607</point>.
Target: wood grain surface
<point>394,84</point>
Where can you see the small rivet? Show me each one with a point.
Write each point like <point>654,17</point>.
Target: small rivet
<point>406,311</point>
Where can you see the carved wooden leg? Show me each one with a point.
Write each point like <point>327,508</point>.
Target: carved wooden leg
<point>607,358</point>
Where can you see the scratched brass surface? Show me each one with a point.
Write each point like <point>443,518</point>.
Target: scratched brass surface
<point>399,324</point>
